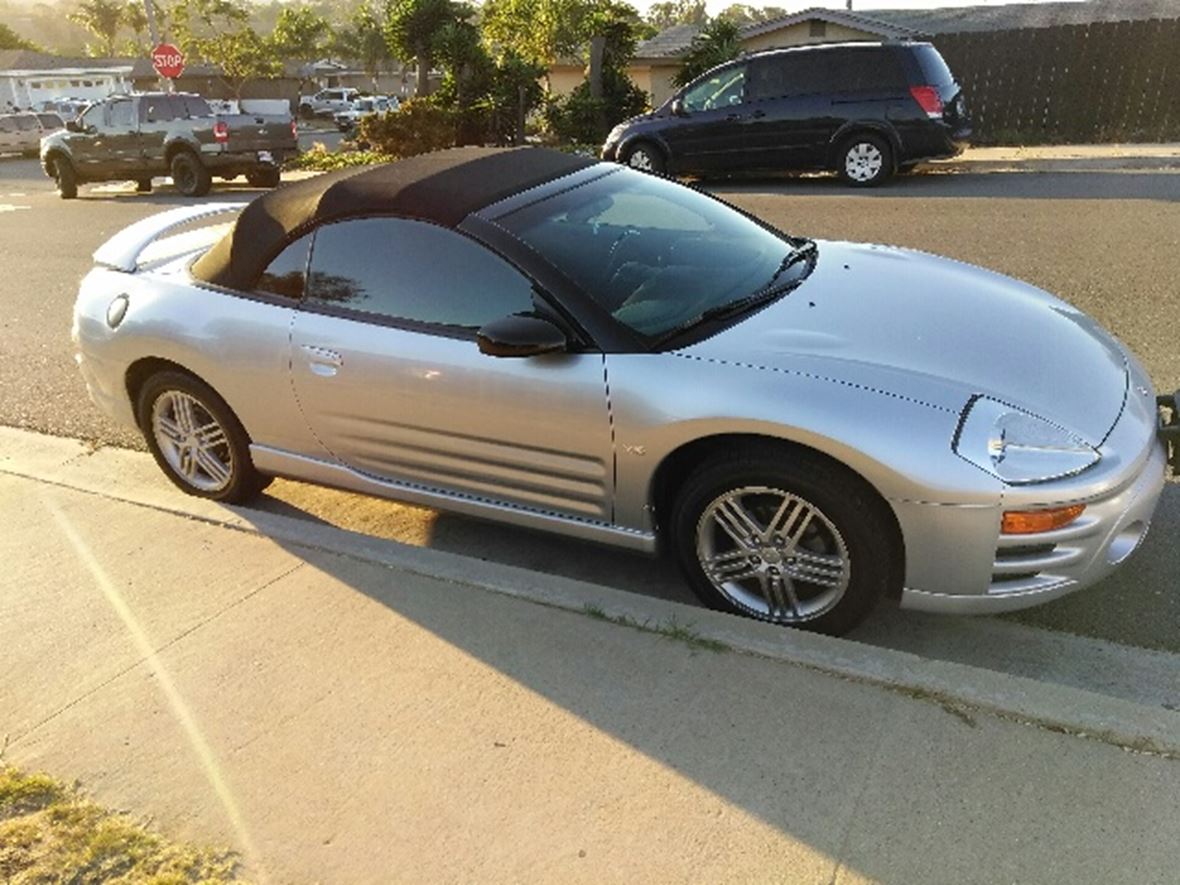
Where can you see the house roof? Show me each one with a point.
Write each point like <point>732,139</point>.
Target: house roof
<point>894,24</point>
<point>30,60</point>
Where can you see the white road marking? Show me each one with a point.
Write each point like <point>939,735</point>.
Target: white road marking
<point>9,207</point>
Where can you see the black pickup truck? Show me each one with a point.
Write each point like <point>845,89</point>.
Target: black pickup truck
<point>136,137</point>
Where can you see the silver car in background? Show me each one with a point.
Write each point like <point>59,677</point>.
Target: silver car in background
<point>531,337</point>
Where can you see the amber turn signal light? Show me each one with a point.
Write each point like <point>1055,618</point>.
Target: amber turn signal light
<point>1030,522</point>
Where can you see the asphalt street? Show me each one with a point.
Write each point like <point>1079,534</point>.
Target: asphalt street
<point>1107,242</point>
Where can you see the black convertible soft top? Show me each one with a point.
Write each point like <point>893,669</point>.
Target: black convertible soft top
<point>443,187</point>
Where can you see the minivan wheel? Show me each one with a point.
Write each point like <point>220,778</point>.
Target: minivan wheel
<point>646,158</point>
<point>865,160</point>
<point>785,537</point>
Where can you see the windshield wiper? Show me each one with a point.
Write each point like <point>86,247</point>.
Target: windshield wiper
<point>805,252</point>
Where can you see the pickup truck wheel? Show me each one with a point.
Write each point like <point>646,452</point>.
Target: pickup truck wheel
<point>66,178</point>
<point>190,176</point>
<point>263,177</point>
<point>143,186</point>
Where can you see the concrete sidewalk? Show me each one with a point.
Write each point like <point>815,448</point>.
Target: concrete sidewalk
<point>1063,158</point>
<point>341,717</point>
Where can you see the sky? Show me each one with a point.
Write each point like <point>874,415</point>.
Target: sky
<point>715,6</point>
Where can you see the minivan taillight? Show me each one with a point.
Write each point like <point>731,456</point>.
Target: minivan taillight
<point>928,99</point>
<point>221,132</point>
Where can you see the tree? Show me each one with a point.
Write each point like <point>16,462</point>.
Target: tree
<point>242,55</point>
<point>537,31</point>
<point>742,14</point>
<point>718,42</point>
<point>300,34</point>
<point>677,12</point>
<point>9,39</point>
<point>364,40</point>
<point>196,21</point>
<point>102,18</point>
<point>412,28</point>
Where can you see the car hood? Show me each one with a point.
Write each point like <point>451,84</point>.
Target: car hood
<point>928,328</point>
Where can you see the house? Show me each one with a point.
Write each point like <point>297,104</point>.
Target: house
<point>657,60</point>
<point>28,78</point>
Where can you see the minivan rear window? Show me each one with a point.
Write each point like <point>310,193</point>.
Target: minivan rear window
<point>934,70</point>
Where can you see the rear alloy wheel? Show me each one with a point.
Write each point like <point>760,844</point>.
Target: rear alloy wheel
<point>196,439</point>
<point>784,537</point>
<point>263,177</point>
<point>865,161</point>
<point>66,178</point>
<point>189,175</point>
<point>646,158</point>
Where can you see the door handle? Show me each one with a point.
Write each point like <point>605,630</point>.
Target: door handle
<point>322,360</point>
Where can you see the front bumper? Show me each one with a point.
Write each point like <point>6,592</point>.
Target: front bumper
<point>958,562</point>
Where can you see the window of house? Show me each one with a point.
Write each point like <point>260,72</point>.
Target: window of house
<point>817,28</point>
<point>376,266</point>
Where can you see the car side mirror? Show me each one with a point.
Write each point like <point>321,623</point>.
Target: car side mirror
<point>678,108</point>
<point>518,336</point>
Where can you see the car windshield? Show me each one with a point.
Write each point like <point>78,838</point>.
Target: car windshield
<point>657,255</point>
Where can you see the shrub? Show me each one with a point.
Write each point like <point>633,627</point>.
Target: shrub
<point>580,118</point>
<point>417,127</point>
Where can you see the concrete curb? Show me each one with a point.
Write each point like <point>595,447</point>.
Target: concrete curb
<point>1078,164</point>
<point>132,477</point>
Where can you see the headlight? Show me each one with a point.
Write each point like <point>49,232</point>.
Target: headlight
<point>1019,447</point>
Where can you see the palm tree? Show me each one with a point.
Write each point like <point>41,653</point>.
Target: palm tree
<point>103,19</point>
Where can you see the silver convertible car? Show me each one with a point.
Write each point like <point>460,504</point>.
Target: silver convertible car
<point>541,339</point>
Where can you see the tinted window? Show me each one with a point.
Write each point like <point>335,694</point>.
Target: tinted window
<point>285,275</point>
<point>722,89</point>
<point>155,109</point>
<point>413,271</point>
<point>934,69</point>
<point>122,114</point>
<point>653,253</point>
<point>51,121</point>
<point>27,123</point>
<point>7,124</point>
<point>195,106</point>
<point>856,70</point>
<point>93,115</point>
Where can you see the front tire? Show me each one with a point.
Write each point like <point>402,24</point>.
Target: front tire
<point>784,536</point>
<point>190,175</point>
<point>646,157</point>
<point>865,160</point>
<point>196,439</point>
<point>66,178</point>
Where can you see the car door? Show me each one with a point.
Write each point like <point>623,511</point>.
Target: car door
<point>89,146</point>
<point>156,112</point>
<point>790,108</point>
<point>708,134</point>
<point>123,138</point>
<point>388,374</point>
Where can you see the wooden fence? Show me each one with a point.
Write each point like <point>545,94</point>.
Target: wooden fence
<point>1070,84</point>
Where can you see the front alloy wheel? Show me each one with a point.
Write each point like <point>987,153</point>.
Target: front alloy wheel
<point>196,439</point>
<point>785,535</point>
<point>645,158</point>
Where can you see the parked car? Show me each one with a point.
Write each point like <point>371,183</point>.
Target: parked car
<point>136,137</point>
<point>20,133</point>
<point>327,102</point>
<point>363,107</point>
<point>863,110</point>
<point>540,339</point>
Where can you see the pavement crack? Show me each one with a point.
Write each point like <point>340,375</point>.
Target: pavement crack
<point>188,631</point>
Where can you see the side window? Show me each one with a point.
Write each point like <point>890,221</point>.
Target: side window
<point>93,116</point>
<point>122,115</point>
<point>195,106</point>
<point>286,274</point>
<point>768,79</point>
<point>724,88</point>
<point>7,124</point>
<point>858,70</point>
<point>155,109</point>
<point>411,270</point>
<point>27,123</point>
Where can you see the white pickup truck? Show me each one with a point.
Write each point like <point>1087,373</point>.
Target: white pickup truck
<point>327,102</point>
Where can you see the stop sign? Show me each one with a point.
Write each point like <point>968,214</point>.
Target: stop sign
<point>168,61</point>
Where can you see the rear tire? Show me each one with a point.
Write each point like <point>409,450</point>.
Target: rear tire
<point>784,536</point>
<point>865,160</point>
<point>196,439</point>
<point>263,177</point>
<point>189,175</point>
<point>66,178</point>
<point>646,157</point>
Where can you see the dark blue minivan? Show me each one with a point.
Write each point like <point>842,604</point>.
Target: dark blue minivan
<point>863,110</point>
